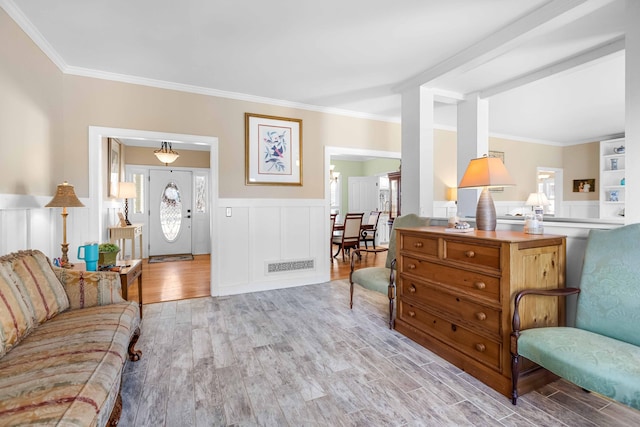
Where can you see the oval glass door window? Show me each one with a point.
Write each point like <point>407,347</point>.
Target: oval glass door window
<point>171,212</point>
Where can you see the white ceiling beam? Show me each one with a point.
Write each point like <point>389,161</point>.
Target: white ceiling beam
<point>569,64</point>
<point>548,17</point>
<point>447,96</point>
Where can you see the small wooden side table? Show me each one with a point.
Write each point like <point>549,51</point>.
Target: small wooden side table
<point>130,271</point>
<point>121,234</point>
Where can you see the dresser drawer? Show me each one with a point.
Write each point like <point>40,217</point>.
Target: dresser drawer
<point>475,316</point>
<point>473,345</point>
<point>419,244</point>
<point>474,254</point>
<point>469,281</point>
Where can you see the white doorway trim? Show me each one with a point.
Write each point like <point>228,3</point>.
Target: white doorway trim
<point>96,173</point>
<point>332,151</point>
<point>558,187</point>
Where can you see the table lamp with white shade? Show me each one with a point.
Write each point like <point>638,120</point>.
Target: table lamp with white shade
<point>126,191</point>
<point>537,201</point>
<point>485,172</point>
<point>533,222</point>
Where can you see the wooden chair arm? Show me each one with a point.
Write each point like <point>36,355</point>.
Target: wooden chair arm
<point>562,292</point>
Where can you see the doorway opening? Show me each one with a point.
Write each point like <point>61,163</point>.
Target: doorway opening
<point>549,181</point>
<point>97,202</point>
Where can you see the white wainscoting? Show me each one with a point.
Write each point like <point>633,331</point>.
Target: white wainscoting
<point>570,209</point>
<point>26,224</point>
<point>263,231</point>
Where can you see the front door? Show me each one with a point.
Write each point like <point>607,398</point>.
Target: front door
<point>170,212</point>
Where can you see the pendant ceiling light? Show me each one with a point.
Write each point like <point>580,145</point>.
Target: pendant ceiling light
<point>166,154</point>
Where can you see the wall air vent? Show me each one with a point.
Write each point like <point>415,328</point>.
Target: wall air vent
<point>297,265</point>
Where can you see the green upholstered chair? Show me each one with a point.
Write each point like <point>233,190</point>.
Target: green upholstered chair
<point>382,279</point>
<point>602,352</point>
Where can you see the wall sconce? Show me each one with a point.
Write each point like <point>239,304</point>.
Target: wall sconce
<point>485,172</point>
<point>333,176</point>
<point>166,154</point>
<point>65,198</point>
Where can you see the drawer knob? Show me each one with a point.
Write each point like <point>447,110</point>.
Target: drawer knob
<point>411,266</point>
<point>412,288</point>
<point>480,285</point>
<point>418,244</point>
<point>412,314</point>
<point>470,254</point>
<point>481,347</point>
<point>481,316</point>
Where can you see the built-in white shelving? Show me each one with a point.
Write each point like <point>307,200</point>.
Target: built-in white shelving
<point>612,179</point>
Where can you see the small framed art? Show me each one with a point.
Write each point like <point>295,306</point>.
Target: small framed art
<point>273,150</point>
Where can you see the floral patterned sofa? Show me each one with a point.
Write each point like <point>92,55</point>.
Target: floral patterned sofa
<point>65,337</point>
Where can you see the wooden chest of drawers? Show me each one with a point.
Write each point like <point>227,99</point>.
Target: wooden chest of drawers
<point>455,296</point>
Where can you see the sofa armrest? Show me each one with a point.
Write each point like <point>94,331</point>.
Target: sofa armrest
<point>90,288</point>
<point>562,292</point>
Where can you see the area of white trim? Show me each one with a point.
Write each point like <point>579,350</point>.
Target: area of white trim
<point>96,197</point>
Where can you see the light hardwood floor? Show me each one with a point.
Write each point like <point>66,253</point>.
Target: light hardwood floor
<point>169,281</point>
<point>301,357</point>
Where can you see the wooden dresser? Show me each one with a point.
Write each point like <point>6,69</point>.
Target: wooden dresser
<point>455,296</point>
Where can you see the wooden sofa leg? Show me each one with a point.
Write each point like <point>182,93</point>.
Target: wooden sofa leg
<point>116,413</point>
<point>134,355</point>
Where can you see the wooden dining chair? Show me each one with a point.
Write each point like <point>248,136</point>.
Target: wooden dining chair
<point>350,237</point>
<point>332,227</point>
<point>369,234</point>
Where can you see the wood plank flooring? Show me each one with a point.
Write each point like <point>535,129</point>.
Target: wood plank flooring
<point>169,281</point>
<point>301,357</point>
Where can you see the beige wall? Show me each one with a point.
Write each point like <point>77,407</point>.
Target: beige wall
<point>145,156</point>
<point>580,162</point>
<point>520,158</point>
<point>45,115</point>
<point>32,142</point>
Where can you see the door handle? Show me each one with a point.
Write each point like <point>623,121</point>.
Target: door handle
<point>187,216</point>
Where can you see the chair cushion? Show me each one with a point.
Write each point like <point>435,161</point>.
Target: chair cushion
<point>592,361</point>
<point>33,275</point>
<point>374,278</point>
<point>609,303</point>
<point>89,288</point>
<point>16,318</point>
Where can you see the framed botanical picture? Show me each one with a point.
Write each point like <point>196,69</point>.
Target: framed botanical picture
<point>273,150</point>
<point>114,167</point>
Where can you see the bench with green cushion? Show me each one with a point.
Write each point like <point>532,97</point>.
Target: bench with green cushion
<point>602,352</point>
<point>382,279</point>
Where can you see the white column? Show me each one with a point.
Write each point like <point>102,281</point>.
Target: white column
<point>417,152</point>
<point>473,142</point>
<point>632,112</point>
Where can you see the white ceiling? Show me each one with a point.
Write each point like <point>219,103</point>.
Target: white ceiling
<point>553,71</point>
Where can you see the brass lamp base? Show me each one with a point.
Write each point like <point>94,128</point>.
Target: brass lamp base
<point>64,261</point>
<point>486,212</point>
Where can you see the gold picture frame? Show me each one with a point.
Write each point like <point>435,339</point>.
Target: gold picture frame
<point>273,150</point>
<point>114,167</point>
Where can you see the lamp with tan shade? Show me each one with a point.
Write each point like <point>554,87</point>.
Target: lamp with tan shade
<point>65,198</point>
<point>126,191</point>
<point>485,172</point>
